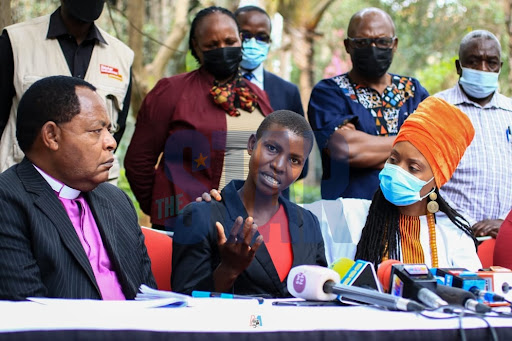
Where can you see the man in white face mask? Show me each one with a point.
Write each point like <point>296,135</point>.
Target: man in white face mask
<point>255,29</point>
<point>481,187</point>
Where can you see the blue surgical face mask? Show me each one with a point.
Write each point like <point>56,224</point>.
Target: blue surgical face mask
<point>253,53</point>
<point>400,187</point>
<point>478,84</point>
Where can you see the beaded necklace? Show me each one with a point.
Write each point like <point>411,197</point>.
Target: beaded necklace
<point>431,220</point>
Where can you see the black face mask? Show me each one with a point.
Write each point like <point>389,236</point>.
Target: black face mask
<point>222,63</point>
<point>371,62</point>
<point>85,10</point>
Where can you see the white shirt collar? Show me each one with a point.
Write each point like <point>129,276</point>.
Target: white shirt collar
<point>63,190</point>
<point>258,75</point>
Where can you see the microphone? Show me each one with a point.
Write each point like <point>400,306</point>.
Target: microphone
<point>359,273</point>
<point>412,281</point>
<point>461,297</point>
<point>460,278</point>
<point>479,283</point>
<point>499,281</point>
<point>487,296</point>
<point>448,295</point>
<point>313,282</point>
<point>384,273</point>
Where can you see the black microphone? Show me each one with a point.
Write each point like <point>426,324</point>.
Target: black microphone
<point>414,281</point>
<point>487,296</point>
<point>312,282</point>
<point>461,297</point>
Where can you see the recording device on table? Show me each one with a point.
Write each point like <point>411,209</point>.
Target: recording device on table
<point>491,286</point>
<point>415,281</point>
<point>312,282</point>
<point>412,287</point>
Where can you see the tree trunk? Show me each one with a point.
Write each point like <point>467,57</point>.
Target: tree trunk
<point>180,28</point>
<point>5,13</point>
<point>135,12</point>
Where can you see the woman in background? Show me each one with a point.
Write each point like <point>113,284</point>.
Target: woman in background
<point>192,129</point>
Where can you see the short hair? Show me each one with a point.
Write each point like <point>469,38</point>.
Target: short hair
<point>290,120</point>
<point>199,17</point>
<point>476,34</point>
<point>246,9</point>
<point>359,14</point>
<point>49,99</point>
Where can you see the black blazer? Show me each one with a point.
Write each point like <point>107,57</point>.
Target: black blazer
<point>195,253</point>
<point>282,94</point>
<point>40,253</point>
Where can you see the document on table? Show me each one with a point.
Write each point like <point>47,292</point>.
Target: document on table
<point>146,298</point>
<point>147,293</point>
<point>115,305</point>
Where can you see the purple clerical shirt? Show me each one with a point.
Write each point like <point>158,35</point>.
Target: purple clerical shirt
<point>87,231</point>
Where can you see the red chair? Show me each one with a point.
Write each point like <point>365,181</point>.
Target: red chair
<point>159,246</point>
<point>486,252</point>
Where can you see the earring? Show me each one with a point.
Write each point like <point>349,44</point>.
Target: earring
<point>432,205</point>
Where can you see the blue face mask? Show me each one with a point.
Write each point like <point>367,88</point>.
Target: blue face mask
<point>253,53</point>
<point>400,187</point>
<point>478,84</point>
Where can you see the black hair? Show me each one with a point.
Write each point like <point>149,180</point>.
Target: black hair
<point>246,9</point>
<point>49,99</point>
<point>290,120</point>
<point>381,233</point>
<point>200,16</point>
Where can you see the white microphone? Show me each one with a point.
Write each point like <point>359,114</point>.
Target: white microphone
<point>313,282</point>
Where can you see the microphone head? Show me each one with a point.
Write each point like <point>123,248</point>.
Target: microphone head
<point>307,282</point>
<point>342,266</point>
<point>384,273</point>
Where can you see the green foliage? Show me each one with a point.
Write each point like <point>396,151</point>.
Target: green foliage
<point>125,186</point>
<point>438,76</point>
<point>303,194</point>
<point>191,63</point>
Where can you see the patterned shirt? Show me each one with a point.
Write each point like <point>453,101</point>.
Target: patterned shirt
<point>384,108</point>
<point>481,187</point>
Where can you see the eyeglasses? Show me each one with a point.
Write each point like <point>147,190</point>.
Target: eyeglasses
<point>383,42</point>
<point>262,37</point>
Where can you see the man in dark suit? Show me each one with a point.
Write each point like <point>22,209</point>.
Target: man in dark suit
<point>255,27</point>
<point>64,232</point>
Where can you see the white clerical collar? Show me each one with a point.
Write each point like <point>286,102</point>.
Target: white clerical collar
<point>63,190</point>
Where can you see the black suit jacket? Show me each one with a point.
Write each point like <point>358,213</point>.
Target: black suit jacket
<point>196,255</point>
<point>282,94</point>
<point>40,253</point>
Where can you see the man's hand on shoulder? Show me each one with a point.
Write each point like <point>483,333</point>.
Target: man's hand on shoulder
<point>215,194</point>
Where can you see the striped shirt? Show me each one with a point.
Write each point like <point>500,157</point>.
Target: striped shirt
<point>481,187</point>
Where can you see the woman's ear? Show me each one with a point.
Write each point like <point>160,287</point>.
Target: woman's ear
<point>50,135</point>
<point>251,144</point>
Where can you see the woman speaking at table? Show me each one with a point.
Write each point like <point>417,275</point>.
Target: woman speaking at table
<point>198,123</point>
<point>401,222</point>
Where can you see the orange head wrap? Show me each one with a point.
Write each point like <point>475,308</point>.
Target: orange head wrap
<point>441,132</point>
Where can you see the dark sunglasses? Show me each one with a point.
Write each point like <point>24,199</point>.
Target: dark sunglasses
<point>258,36</point>
<point>361,43</point>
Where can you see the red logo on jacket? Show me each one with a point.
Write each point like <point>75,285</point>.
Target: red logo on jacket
<point>111,72</point>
